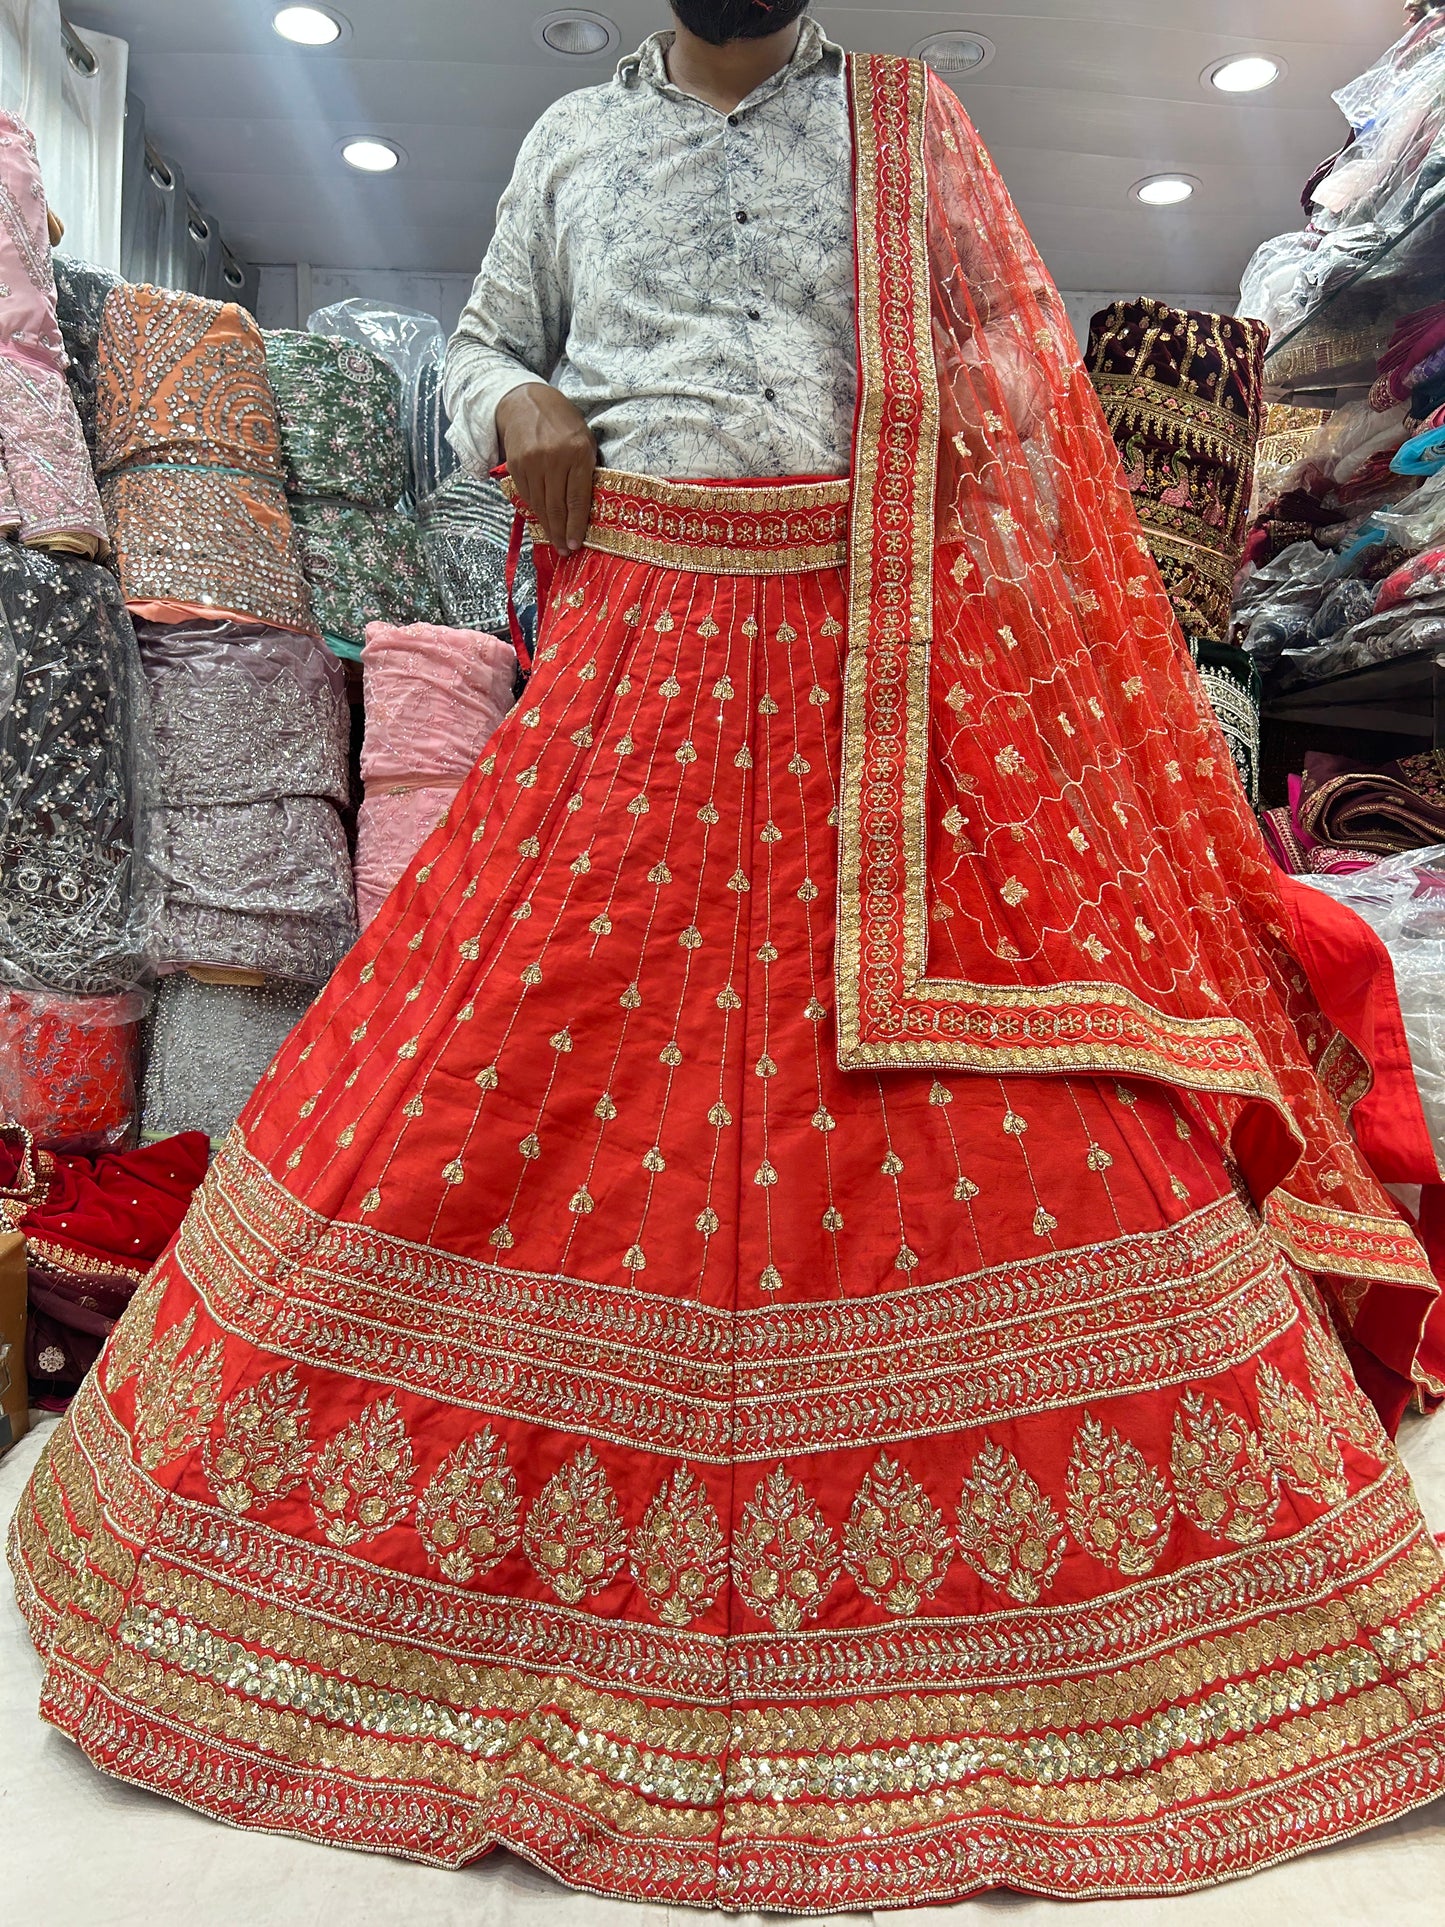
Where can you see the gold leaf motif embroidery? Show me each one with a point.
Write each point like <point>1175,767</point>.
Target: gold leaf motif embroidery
<point>1014,1124</point>
<point>765,1174</point>
<point>770,833</point>
<point>531,1147</point>
<point>750,627</point>
<point>964,1190</point>
<point>785,1557</point>
<point>738,882</point>
<point>501,1238</point>
<point>691,938</point>
<point>531,976</point>
<point>659,873</point>
<point>1345,1408</point>
<point>581,1202</point>
<point>832,1219</point>
<point>468,1517</point>
<point>634,1258</point>
<point>723,690</point>
<point>1119,1506</point>
<point>907,1260</point>
<point>832,627</point>
<point>371,1202</point>
<point>896,1545</point>
<point>939,1094</point>
<point>530,846</point>
<point>361,1481</point>
<point>823,1120</point>
<point>264,1443</point>
<point>1304,1451</point>
<point>767,706</point>
<point>814,1011</point>
<point>561,1041</point>
<point>1099,1159</point>
<point>743,759</point>
<point>672,687</point>
<point>799,766</point>
<point>488,1079</point>
<point>176,1398</point>
<point>653,1160</point>
<point>707,629</point>
<point>708,814</point>
<point>678,1554</point>
<point>808,891</point>
<point>765,1067</point>
<point>604,1108</point>
<point>729,999</point>
<point>413,1107</point>
<point>631,998</point>
<point>134,1335</point>
<point>1044,1223</point>
<point>892,1165</point>
<point>720,1115</point>
<point>786,632</point>
<point>454,1172</point>
<point>771,1279</point>
<point>1007,1530</point>
<point>574,1535</point>
<point>686,752</point>
<point>601,926</point>
<point>1224,1483</point>
<point>1013,892</point>
<point>708,1221</point>
<point>670,1055</point>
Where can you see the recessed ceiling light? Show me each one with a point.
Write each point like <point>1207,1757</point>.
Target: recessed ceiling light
<point>307,26</point>
<point>954,56</point>
<point>371,156</point>
<point>1246,73</point>
<point>578,33</point>
<point>1164,190</point>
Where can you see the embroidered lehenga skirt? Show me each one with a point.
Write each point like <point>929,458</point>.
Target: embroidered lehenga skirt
<point>579,1417</point>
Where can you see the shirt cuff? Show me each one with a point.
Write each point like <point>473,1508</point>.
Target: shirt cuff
<point>477,383</point>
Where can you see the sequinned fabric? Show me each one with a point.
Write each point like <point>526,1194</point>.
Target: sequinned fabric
<point>47,487</point>
<point>434,697</point>
<point>68,1067</point>
<point>363,565</point>
<point>207,1047</point>
<point>1183,393</point>
<point>466,529</point>
<point>74,903</point>
<point>251,730</point>
<point>1232,684</point>
<point>339,407</point>
<point>190,456</point>
<point>81,292</point>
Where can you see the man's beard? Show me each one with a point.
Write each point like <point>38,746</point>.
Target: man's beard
<point>720,21</point>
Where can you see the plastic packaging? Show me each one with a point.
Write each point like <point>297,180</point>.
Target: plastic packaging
<point>68,1067</point>
<point>1403,900</point>
<point>414,344</point>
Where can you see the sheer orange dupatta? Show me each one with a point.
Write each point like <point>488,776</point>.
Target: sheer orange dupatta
<point>1046,861</point>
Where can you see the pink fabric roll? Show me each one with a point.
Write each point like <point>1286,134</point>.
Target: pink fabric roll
<point>433,698</point>
<point>47,493</point>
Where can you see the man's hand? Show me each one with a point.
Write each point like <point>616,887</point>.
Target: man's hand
<point>551,458</point>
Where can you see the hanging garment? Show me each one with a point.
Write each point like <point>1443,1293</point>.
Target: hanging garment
<point>466,531</point>
<point>434,697</point>
<point>93,1228</point>
<point>1232,684</point>
<point>252,731</point>
<point>190,455</point>
<point>68,1067</point>
<point>1183,394</point>
<point>74,897</point>
<point>700,1369</point>
<point>47,487</point>
<point>81,292</point>
<point>207,1047</point>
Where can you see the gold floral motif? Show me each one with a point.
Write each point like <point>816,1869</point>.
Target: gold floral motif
<point>1348,1412</point>
<point>361,1481</point>
<point>1119,1506</point>
<point>264,1443</point>
<point>574,1534</point>
<point>134,1335</point>
<point>468,1515</point>
<point>678,1554</point>
<point>176,1398</point>
<point>896,1544</point>
<point>1304,1450</point>
<point>1223,1479</point>
<point>1007,1530</point>
<point>785,1558</point>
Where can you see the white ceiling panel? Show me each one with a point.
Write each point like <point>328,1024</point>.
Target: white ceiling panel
<point>1082,98</point>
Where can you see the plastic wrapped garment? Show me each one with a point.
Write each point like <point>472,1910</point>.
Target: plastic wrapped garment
<point>1276,604</point>
<point>1288,434</point>
<point>1397,109</point>
<point>414,345</point>
<point>433,698</point>
<point>81,292</point>
<point>47,485</point>
<point>364,565</point>
<point>190,456</point>
<point>75,901</point>
<point>1403,900</point>
<point>68,1067</point>
<point>1406,630</point>
<point>252,731</point>
<point>466,529</point>
<point>93,1227</point>
<point>207,1048</point>
<point>339,406</point>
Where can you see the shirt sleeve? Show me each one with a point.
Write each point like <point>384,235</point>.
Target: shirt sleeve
<point>514,327</point>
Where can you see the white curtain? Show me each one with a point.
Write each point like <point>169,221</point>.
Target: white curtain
<point>73,98</point>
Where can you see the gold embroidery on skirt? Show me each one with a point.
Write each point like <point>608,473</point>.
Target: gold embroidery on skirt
<point>678,1554</point>
<point>1304,1452</point>
<point>1007,1530</point>
<point>1119,1506</point>
<point>176,1398</point>
<point>361,1482</point>
<point>574,1534</point>
<point>264,1443</point>
<point>468,1517</point>
<point>785,1558</point>
<point>896,1545</point>
<point>1224,1482</point>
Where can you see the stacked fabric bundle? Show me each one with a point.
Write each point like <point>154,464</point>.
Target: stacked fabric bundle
<point>47,487</point>
<point>189,452</point>
<point>1183,393</point>
<point>92,1229</point>
<point>208,1046</point>
<point>433,698</point>
<point>340,413</point>
<point>251,733</point>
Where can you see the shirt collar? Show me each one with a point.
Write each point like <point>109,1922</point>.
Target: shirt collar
<point>649,64</point>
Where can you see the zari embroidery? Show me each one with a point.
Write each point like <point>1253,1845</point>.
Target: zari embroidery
<point>264,1444</point>
<point>361,1481</point>
<point>468,1516</point>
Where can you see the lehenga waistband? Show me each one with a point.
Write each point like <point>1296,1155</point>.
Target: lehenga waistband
<point>719,528</point>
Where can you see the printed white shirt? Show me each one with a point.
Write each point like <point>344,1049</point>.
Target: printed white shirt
<point>685,276</point>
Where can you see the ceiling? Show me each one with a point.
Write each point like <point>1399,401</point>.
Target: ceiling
<point>1075,107</point>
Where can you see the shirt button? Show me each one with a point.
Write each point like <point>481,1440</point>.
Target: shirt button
<point>742,214</point>
<point>755,314</point>
<point>732,120</point>
<point>770,394</point>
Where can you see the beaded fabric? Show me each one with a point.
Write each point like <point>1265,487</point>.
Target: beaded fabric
<point>74,737</point>
<point>81,292</point>
<point>364,565</point>
<point>206,1048</point>
<point>466,529</point>
<point>339,407</point>
<point>190,456</point>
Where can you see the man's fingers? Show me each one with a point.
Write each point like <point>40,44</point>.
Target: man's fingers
<point>579,498</point>
<point>554,512</point>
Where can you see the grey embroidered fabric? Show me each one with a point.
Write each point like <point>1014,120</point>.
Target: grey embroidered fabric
<point>466,527</point>
<point>252,732</point>
<point>207,1048</point>
<point>75,901</point>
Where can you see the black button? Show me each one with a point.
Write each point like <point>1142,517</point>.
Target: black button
<point>732,120</point>
<point>742,214</point>
<point>769,394</point>
<point>755,314</point>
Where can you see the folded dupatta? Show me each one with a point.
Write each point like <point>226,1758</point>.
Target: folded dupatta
<point>1042,866</point>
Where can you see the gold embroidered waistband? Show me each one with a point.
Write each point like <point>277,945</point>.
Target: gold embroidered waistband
<point>718,528</point>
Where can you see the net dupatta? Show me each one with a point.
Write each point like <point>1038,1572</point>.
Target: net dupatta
<point>1046,861</point>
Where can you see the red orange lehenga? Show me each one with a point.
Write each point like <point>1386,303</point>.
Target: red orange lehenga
<point>580,1416</point>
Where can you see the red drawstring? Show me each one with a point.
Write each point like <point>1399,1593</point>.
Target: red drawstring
<point>514,561</point>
